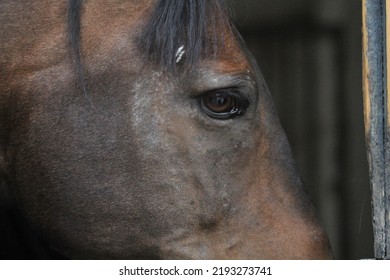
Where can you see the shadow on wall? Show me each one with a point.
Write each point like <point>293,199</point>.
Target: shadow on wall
<point>310,54</point>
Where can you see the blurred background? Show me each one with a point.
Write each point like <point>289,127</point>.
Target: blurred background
<point>310,54</point>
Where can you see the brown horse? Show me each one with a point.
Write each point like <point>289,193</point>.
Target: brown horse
<point>143,129</point>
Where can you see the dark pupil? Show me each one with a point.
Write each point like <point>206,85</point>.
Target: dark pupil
<point>220,102</point>
<point>219,99</point>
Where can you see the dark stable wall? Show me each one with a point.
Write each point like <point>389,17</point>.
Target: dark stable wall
<point>310,54</point>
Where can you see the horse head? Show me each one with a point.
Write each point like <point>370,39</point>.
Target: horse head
<point>152,134</point>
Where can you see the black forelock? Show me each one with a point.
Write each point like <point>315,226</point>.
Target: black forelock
<point>194,25</point>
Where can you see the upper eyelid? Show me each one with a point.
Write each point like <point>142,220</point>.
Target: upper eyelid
<point>242,91</point>
<point>244,81</point>
<point>214,82</point>
<point>232,90</point>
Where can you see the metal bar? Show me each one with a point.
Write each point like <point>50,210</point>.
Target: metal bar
<point>376,26</point>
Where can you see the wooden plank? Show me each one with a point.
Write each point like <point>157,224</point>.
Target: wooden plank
<point>387,130</point>
<point>376,27</point>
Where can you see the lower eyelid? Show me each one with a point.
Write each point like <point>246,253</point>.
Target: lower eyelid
<point>210,123</point>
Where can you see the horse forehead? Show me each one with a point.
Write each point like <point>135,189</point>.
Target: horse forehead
<point>102,17</point>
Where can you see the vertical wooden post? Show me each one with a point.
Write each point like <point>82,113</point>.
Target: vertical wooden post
<point>376,88</point>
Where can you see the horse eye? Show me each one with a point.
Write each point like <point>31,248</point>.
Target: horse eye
<point>222,104</point>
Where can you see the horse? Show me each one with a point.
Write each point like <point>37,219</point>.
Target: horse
<point>143,130</point>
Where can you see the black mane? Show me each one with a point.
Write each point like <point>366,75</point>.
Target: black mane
<point>74,35</point>
<point>192,24</point>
